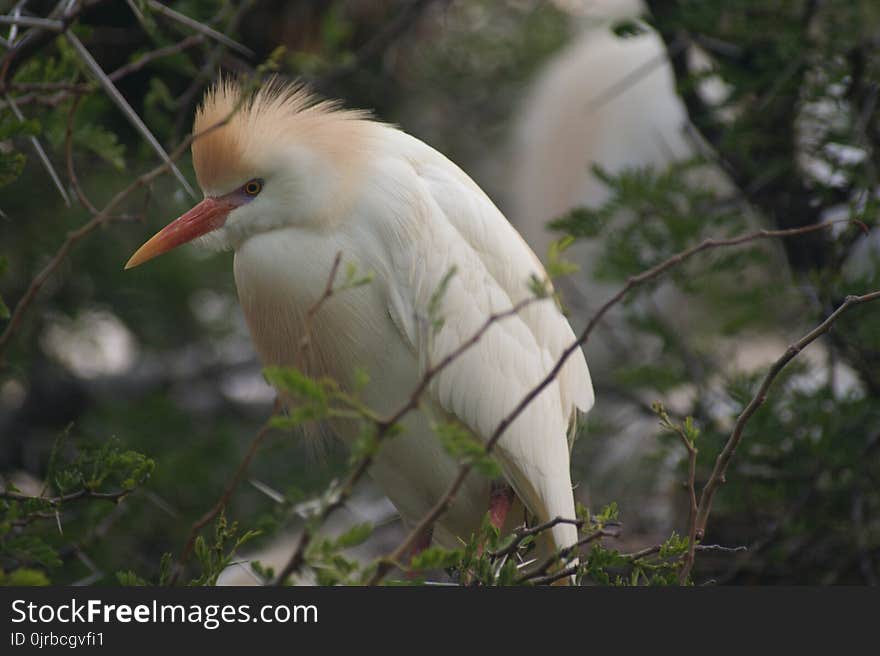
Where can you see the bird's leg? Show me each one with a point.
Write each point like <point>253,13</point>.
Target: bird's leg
<point>500,501</point>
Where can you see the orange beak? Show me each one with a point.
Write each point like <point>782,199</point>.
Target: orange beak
<point>208,215</point>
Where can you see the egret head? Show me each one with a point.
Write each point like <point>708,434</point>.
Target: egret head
<point>265,160</point>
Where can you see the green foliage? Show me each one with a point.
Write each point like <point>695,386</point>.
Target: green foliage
<point>107,466</point>
<point>24,576</point>
<point>326,558</point>
<point>460,443</point>
<point>687,430</point>
<point>129,578</point>
<point>807,467</point>
<point>312,397</point>
<point>103,143</point>
<point>435,302</point>
<point>32,527</point>
<point>663,212</point>
<point>11,161</point>
<point>4,310</point>
<point>802,489</point>
<point>556,265</point>
<point>216,556</point>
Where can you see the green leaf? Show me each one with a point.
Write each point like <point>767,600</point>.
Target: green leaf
<point>437,299</point>
<point>11,127</point>
<point>102,143</point>
<point>357,534</point>
<point>4,265</point>
<point>30,549</point>
<point>166,568</point>
<point>129,578</point>
<point>436,558</point>
<point>11,166</point>
<point>290,379</point>
<point>460,443</point>
<point>24,576</point>
<point>558,266</point>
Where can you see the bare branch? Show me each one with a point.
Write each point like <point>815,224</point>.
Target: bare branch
<point>153,55</point>
<point>103,217</point>
<point>381,42</point>
<point>225,497</point>
<point>562,555</point>
<point>33,21</point>
<point>523,532</point>
<point>718,473</point>
<point>120,101</point>
<point>306,341</point>
<point>693,509</point>
<point>36,38</point>
<point>442,505</point>
<point>84,493</point>
<point>71,171</point>
<point>41,154</point>
<point>201,28</point>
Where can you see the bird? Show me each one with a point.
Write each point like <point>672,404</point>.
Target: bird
<point>587,108</point>
<point>291,183</point>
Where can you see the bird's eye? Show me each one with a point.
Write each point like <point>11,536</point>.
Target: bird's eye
<point>253,187</point>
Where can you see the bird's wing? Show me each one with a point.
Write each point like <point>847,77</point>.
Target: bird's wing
<point>443,221</point>
<point>511,262</point>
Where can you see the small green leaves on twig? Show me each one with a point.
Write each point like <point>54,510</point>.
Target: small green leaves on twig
<point>688,431</point>
<point>434,317</point>
<point>557,266</point>
<point>460,443</point>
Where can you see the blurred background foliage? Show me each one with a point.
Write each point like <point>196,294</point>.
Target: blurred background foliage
<point>139,392</point>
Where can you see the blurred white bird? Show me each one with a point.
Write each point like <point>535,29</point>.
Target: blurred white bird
<point>288,184</point>
<point>610,101</point>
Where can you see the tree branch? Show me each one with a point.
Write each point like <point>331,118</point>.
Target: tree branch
<point>718,473</point>
<point>101,218</point>
<point>225,497</point>
<point>386,564</point>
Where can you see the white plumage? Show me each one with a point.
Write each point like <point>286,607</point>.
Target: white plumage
<point>609,101</point>
<point>333,181</point>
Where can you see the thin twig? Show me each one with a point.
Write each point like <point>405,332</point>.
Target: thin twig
<point>717,477</point>
<point>36,38</point>
<point>522,532</point>
<point>33,21</point>
<point>385,565</point>
<point>159,8</point>
<point>101,218</point>
<point>41,154</point>
<point>305,342</point>
<point>693,509</point>
<point>120,101</point>
<point>443,504</point>
<point>71,171</point>
<point>84,493</point>
<point>380,43</point>
<point>225,497</point>
<point>210,65</point>
<point>383,428</point>
<point>153,55</point>
<point>563,555</point>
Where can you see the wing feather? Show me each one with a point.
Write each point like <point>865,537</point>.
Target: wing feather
<point>443,221</point>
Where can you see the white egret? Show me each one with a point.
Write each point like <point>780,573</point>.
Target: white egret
<point>288,184</point>
<point>609,101</point>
